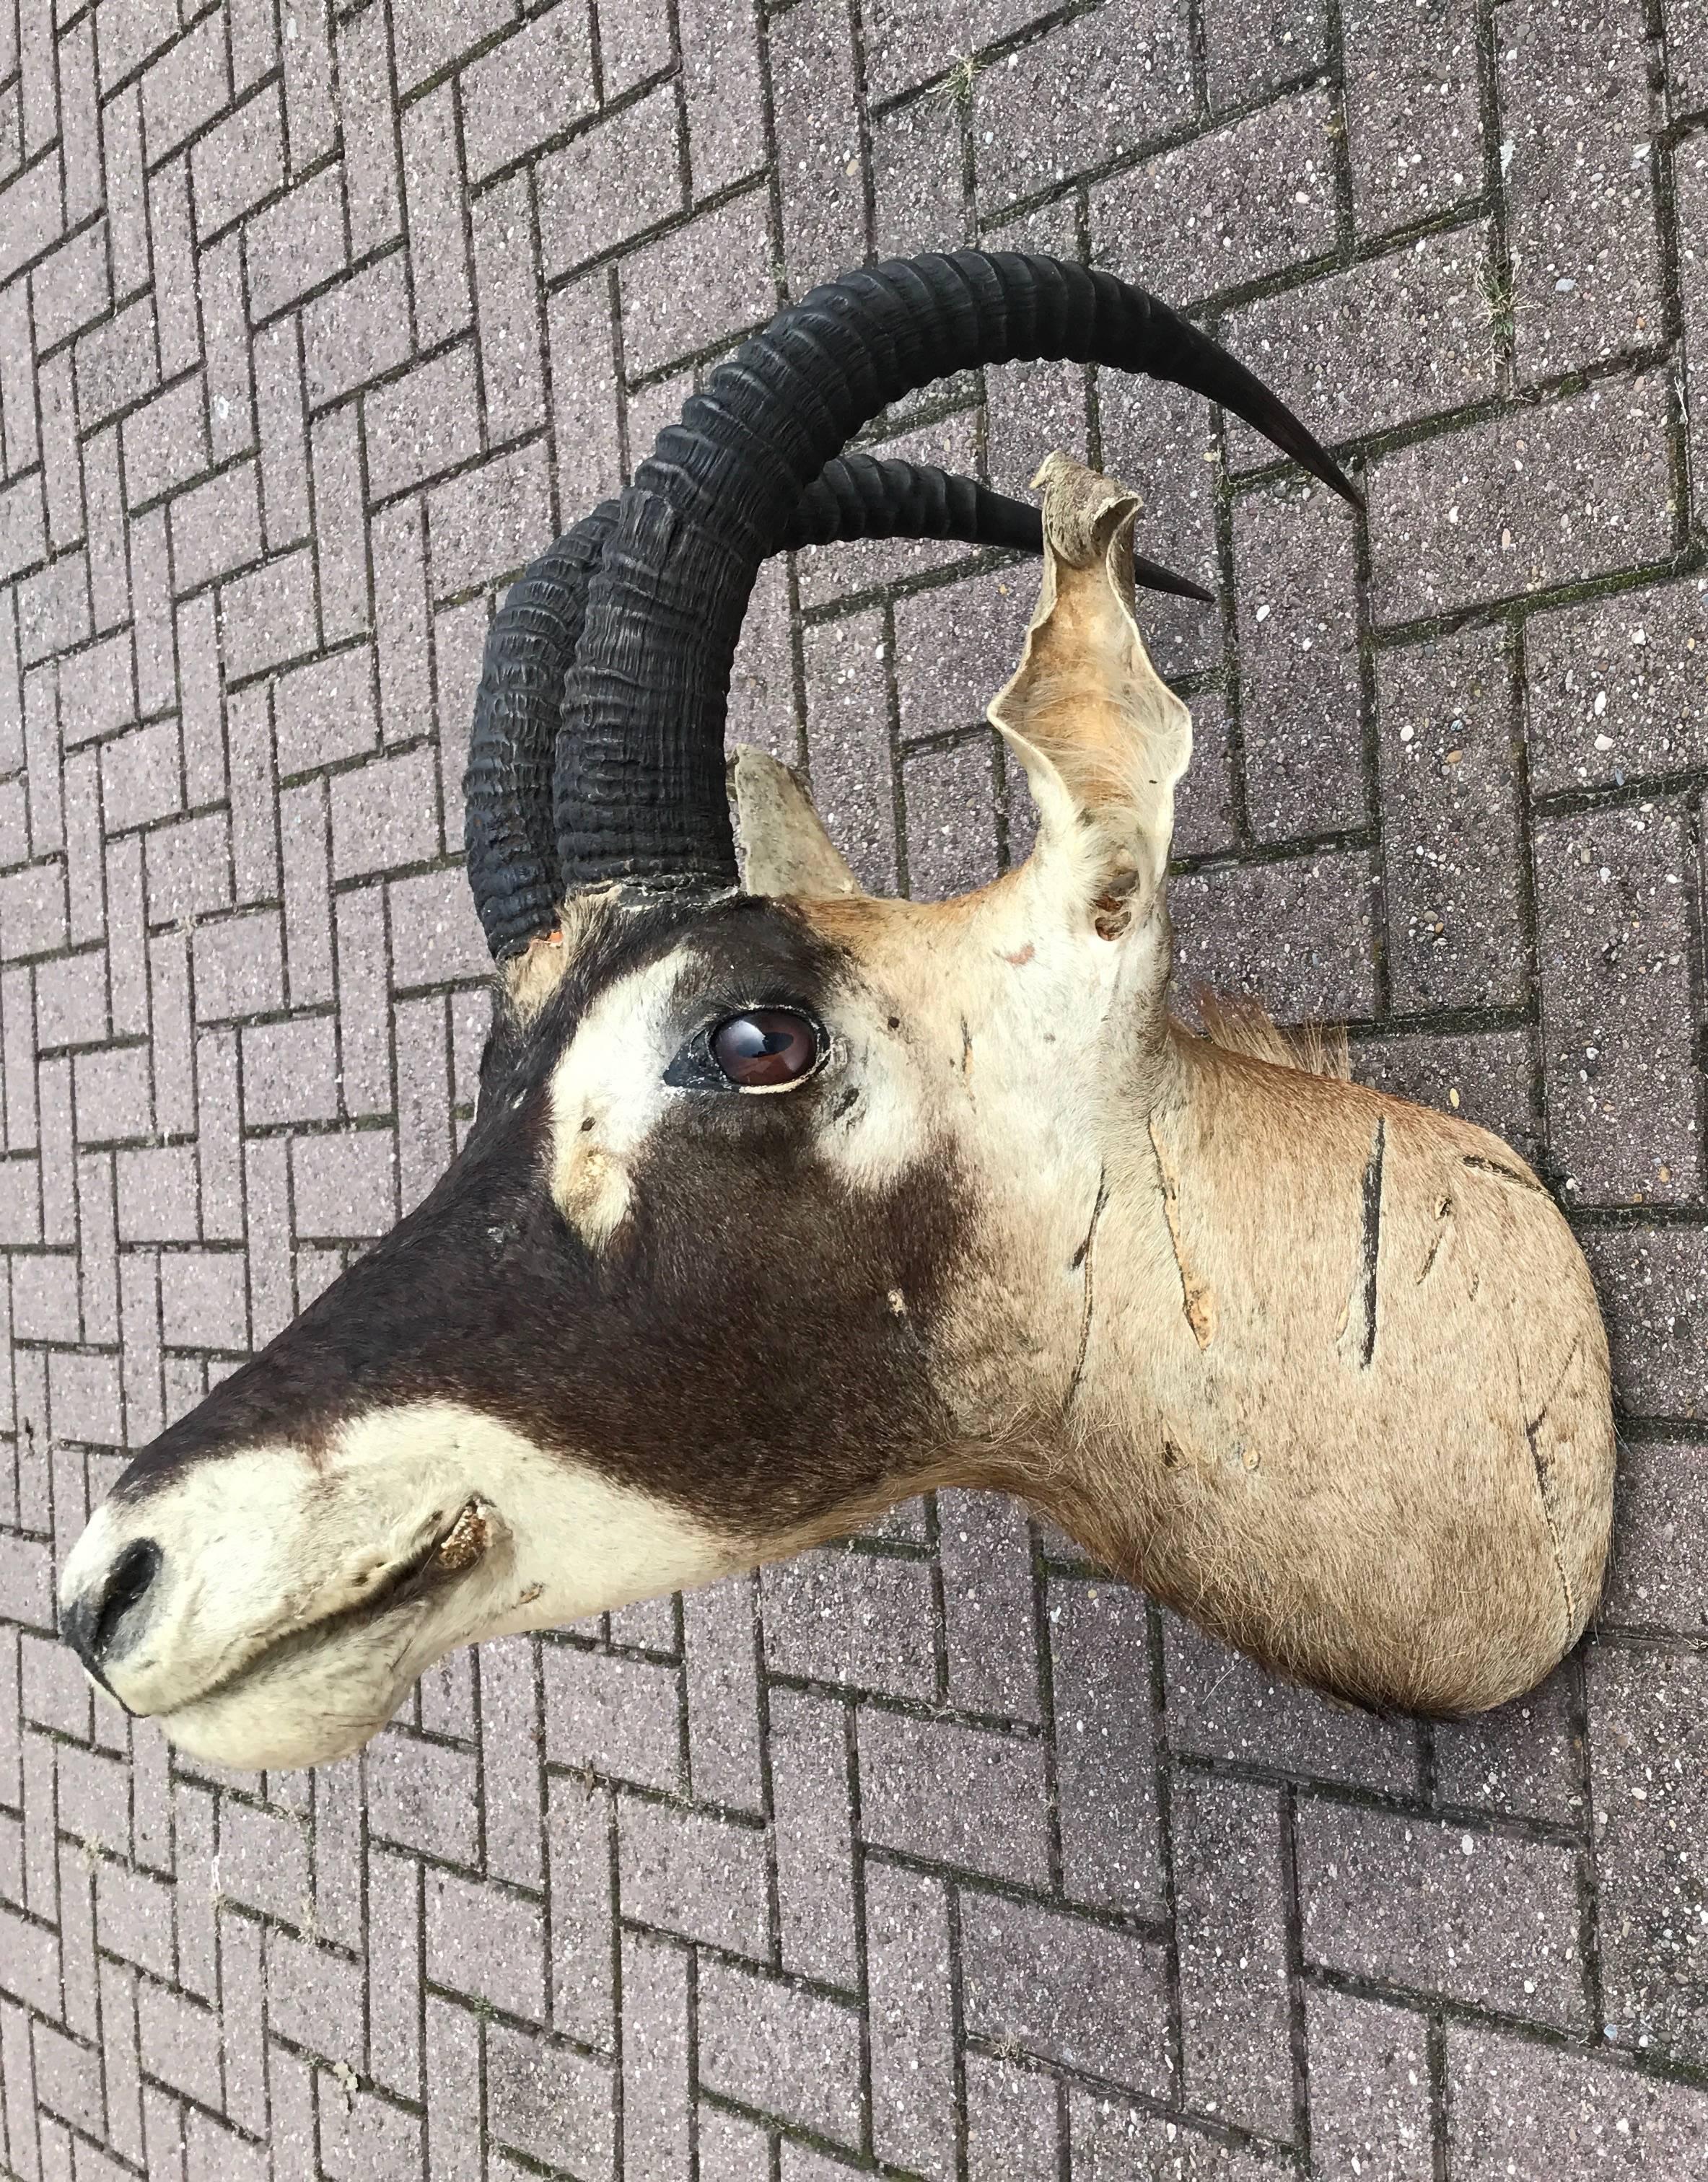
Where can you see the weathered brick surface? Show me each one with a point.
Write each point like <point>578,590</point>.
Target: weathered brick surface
<point>939,1854</point>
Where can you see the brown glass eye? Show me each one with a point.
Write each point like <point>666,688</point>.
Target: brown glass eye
<point>765,1047</point>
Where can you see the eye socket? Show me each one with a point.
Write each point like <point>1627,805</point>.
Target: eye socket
<point>764,1048</point>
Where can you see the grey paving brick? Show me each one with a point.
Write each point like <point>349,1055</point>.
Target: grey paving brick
<point>507,301</point>
<point>1222,1706</point>
<point>1514,505</point>
<point>428,43</point>
<point>185,88</point>
<point>1580,221</point>
<point>1369,2088</point>
<point>818,163</point>
<point>848,744</point>
<point>340,528</point>
<point>812,1835</point>
<point>911,42</point>
<point>433,186</point>
<point>781,2049</point>
<point>324,711</point>
<point>1301,929</point>
<point>267,617</point>
<point>1247,53</point>
<point>1612,960</point>
<point>356,330</point>
<point>423,424</point>
<point>1162,441</point>
<point>1407,1902</point>
<point>365,98</point>
<point>658,2096</point>
<point>346,1184</point>
<point>487,522</point>
<point>1690,182</point>
<point>723,90</point>
<point>1450,792</point>
<point>618,1716</point>
<point>1566,2113</point>
<point>296,244</point>
<point>671,311</point>
<point>583,399</point>
<point>949,799</point>
<point>1066,1989</point>
<point>1611,688</point>
<point>1224,209</point>
<point>1396,338</point>
<point>1414,132</point>
<point>614,181</point>
<point>487,1944</point>
<point>1102,84</point>
<point>170,228</point>
<point>70,290</point>
<point>950,1816</point>
<point>990,1637</point>
<point>502,116</point>
<point>1646,1712</point>
<point>1300,694</point>
<point>689,1873</point>
<point>422,1796</point>
<point>1657,1577</point>
<point>909,2008</point>
<point>1523,1759</point>
<point>1230,1893</point>
<point>238,164</point>
<point>859,1618</point>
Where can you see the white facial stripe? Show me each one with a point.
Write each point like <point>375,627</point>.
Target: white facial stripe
<point>608,1093</point>
<point>256,1547</point>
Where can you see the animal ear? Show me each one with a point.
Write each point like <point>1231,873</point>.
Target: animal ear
<point>780,839</point>
<point>1101,736</point>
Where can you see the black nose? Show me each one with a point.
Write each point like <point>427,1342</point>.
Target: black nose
<point>94,1623</point>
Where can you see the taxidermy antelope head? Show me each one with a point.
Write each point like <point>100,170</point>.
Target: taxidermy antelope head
<point>782,1203</point>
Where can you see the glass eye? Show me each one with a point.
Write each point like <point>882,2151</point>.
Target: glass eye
<point>765,1047</point>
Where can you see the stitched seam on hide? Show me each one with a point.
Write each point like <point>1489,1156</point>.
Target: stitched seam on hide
<point>1087,1258</point>
<point>1196,1300</point>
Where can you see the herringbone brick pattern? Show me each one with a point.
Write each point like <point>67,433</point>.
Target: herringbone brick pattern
<point>938,1856</point>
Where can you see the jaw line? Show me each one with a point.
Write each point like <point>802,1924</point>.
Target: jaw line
<point>412,1586</point>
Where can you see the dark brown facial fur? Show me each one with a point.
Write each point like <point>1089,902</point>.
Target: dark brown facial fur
<point>733,1347</point>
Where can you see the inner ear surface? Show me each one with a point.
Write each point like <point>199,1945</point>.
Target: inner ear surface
<point>1089,718</point>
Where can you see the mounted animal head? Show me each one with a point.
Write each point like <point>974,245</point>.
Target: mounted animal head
<point>782,1203</point>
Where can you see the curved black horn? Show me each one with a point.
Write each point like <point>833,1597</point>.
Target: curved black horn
<point>507,783</point>
<point>638,789</point>
<point>858,496</point>
<point>513,858</point>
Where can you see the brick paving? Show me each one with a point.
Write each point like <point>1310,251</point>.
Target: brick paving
<point>942,1855</point>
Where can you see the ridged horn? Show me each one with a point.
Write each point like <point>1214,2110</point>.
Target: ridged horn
<point>638,787</point>
<point>858,496</point>
<point>512,857</point>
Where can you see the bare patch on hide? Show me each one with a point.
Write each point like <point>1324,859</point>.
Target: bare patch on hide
<point>1196,1297</point>
<point>1357,1337</point>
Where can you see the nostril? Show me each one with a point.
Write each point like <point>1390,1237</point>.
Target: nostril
<point>131,1573</point>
